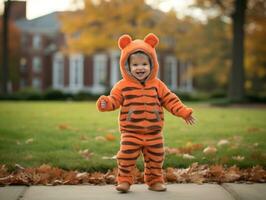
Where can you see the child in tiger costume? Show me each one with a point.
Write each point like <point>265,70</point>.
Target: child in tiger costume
<point>141,96</point>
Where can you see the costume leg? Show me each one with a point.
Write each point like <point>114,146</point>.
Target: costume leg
<point>130,149</point>
<point>153,152</point>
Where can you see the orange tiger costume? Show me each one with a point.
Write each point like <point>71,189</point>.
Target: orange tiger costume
<point>141,114</point>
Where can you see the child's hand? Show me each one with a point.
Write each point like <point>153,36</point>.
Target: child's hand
<point>190,120</point>
<point>103,104</point>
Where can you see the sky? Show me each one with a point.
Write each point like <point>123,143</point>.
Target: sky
<point>36,8</point>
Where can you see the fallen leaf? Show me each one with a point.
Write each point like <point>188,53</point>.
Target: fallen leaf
<point>110,137</point>
<point>170,175</point>
<point>258,155</point>
<point>19,167</point>
<point>86,154</point>
<point>238,158</point>
<point>222,143</point>
<point>170,150</point>
<point>29,141</point>
<point>80,175</point>
<point>253,129</point>
<point>64,126</point>
<point>100,138</point>
<point>188,156</point>
<point>256,144</point>
<point>209,150</point>
<point>109,158</point>
<point>83,138</point>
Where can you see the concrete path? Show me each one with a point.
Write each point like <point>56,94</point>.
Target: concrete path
<point>137,192</point>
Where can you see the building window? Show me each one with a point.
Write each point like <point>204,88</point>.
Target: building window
<point>100,70</point>
<point>37,42</point>
<point>58,71</point>
<point>36,83</point>
<point>23,64</point>
<point>37,65</point>
<point>22,83</point>
<point>170,73</point>
<point>24,40</point>
<point>115,72</point>
<point>76,71</point>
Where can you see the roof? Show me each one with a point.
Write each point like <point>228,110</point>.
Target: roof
<point>47,24</point>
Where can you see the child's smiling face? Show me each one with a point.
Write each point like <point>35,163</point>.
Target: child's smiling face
<point>139,66</point>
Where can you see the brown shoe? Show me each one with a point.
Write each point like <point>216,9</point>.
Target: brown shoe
<point>158,187</point>
<point>123,187</point>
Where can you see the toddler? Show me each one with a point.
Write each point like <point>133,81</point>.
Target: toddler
<point>141,96</point>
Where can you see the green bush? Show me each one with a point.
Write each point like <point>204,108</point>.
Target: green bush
<point>26,94</point>
<point>52,94</point>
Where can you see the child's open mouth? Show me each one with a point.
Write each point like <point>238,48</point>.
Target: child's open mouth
<point>140,73</point>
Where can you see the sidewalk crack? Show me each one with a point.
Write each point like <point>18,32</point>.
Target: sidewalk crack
<point>21,195</point>
<point>232,192</point>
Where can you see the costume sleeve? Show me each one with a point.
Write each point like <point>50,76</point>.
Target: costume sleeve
<point>113,101</point>
<point>172,103</point>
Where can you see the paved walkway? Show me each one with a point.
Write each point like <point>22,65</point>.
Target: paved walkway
<point>138,192</point>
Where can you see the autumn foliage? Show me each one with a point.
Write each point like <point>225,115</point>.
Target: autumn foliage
<point>48,175</point>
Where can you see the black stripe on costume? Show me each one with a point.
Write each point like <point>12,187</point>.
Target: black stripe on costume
<point>154,127</point>
<point>129,143</point>
<point>160,145</point>
<point>124,170</point>
<point>140,112</point>
<point>130,151</point>
<point>155,153</point>
<point>166,94</point>
<point>133,127</point>
<point>132,136</point>
<point>137,96</point>
<point>125,166</point>
<point>130,88</point>
<point>141,119</point>
<point>134,158</point>
<point>151,88</point>
<point>152,174</point>
<point>155,161</point>
<point>172,99</point>
<point>140,104</point>
<point>153,167</point>
<point>157,138</point>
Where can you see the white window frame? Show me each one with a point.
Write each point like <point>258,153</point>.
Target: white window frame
<point>171,62</point>
<point>186,82</point>
<point>58,70</point>
<point>36,83</point>
<point>114,67</point>
<point>76,70</point>
<point>99,69</point>
<point>37,41</point>
<point>37,64</point>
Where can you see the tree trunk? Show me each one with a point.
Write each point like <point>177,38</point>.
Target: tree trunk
<point>237,76</point>
<point>7,5</point>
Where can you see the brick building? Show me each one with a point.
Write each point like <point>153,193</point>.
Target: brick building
<point>43,65</point>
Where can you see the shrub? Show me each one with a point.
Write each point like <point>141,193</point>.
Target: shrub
<point>52,94</point>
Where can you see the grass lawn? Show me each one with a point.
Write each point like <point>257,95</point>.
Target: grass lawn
<point>55,133</point>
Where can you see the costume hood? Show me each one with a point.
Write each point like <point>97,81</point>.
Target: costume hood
<point>128,47</point>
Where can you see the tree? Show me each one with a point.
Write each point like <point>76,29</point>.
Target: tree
<point>255,48</point>
<point>99,25</point>
<point>7,5</point>
<point>236,10</point>
<point>237,76</point>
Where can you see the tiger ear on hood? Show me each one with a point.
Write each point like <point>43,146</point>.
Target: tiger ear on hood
<point>151,39</point>
<point>124,40</point>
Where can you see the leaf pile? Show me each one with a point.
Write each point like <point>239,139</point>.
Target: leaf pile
<point>48,175</point>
